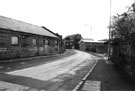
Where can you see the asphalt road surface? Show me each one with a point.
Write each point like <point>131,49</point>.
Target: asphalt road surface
<point>59,75</point>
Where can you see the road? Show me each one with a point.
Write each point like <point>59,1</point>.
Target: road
<point>60,75</point>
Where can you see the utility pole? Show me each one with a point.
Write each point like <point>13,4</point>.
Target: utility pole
<point>91,31</point>
<point>109,43</point>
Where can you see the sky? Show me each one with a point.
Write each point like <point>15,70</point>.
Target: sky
<point>90,18</point>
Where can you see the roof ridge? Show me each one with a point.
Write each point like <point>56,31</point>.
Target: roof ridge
<point>20,21</point>
<point>21,26</point>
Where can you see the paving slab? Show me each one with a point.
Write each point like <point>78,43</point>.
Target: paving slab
<point>91,86</point>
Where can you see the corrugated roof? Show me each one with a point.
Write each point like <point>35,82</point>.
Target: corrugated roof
<point>87,40</point>
<point>15,25</point>
<point>91,40</point>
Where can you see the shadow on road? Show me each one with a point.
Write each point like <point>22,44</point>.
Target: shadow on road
<point>25,81</point>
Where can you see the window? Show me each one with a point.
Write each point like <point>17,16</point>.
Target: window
<point>14,40</point>
<point>34,42</point>
<point>46,41</point>
<point>56,42</point>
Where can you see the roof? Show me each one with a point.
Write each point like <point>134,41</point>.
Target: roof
<point>72,36</point>
<point>15,25</point>
<point>91,40</point>
<point>56,34</point>
<point>87,40</point>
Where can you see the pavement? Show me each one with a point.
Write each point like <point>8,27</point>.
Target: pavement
<point>106,77</point>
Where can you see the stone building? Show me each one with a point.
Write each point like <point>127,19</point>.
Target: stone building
<point>19,39</point>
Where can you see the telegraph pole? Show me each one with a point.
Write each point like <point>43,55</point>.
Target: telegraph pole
<point>109,43</point>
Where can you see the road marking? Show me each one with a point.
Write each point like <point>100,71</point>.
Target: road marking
<point>91,86</point>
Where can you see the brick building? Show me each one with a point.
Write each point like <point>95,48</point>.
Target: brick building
<point>72,41</point>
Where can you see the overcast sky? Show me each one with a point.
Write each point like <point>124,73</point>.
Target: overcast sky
<point>89,18</point>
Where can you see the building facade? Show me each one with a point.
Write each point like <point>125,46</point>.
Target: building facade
<point>72,41</point>
<point>93,46</point>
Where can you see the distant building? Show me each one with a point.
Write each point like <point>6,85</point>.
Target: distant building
<point>85,44</point>
<point>72,41</point>
<point>93,46</point>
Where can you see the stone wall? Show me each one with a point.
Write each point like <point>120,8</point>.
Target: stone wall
<point>25,46</point>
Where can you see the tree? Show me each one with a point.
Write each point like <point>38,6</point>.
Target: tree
<point>123,27</point>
